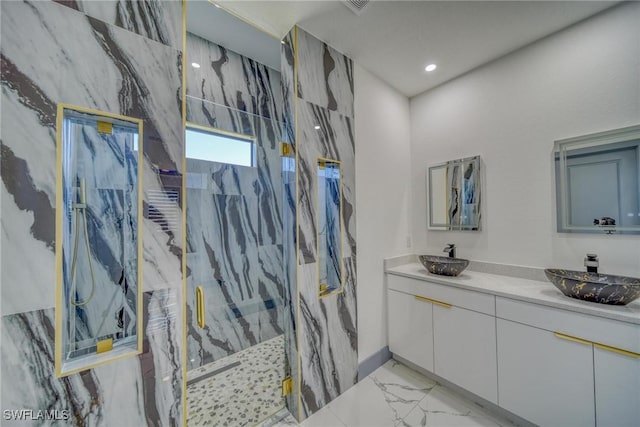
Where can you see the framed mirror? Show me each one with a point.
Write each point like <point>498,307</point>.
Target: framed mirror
<point>453,195</point>
<point>598,182</point>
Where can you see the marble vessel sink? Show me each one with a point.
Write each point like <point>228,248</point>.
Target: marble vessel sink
<point>595,287</point>
<point>443,266</point>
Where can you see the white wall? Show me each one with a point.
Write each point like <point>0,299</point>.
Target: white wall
<point>584,79</point>
<point>382,198</point>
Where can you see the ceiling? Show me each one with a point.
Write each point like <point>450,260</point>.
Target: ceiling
<point>395,40</point>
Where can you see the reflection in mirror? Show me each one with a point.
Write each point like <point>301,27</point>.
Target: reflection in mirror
<point>101,209</point>
<point>454,195</point>
<point>598,182</point>
<point>329,227</point>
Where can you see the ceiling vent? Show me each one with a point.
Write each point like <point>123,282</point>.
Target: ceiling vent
<point>356,6</point>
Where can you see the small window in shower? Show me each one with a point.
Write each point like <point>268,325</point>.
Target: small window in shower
<point>98,238</point>
<point>216,146</point>
<point>329,213</point>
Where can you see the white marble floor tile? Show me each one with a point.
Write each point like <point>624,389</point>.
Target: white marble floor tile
<point>442,408</point>
<point>383,398</point>
<point>323,418</point>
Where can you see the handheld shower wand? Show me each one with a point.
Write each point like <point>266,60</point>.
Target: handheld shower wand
<point>80,209</point>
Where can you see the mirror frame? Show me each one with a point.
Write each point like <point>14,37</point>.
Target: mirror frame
<point>476,226</point>
<point>561,147</point>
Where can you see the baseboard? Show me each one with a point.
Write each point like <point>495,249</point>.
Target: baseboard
<point>373,362</point>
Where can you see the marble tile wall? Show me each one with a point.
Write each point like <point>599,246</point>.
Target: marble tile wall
<point>322,110</point>
<point>234,213</point>
<point>124,58</point>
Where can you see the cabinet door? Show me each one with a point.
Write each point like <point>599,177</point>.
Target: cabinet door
<point>545,379</point>
<point>617,378</point>
<point>411,329</point>
<point>465,350</point>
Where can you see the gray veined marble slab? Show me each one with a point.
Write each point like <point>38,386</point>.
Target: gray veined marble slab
<point>229,79</point>
<point>333,140</point>
<point>161,359</point>
<point>328,345</point>
<point>131,391</point>
<point>155,20</point>
<point>325,76</point>
<point>327,331</point>
<point>288,88</point>
<point>96,65</point>
<point>53,54</point>
<point>242,280</point>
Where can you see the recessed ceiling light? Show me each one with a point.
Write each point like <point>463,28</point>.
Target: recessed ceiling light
<point>430,67</point>
<point>317,127</point>
<point>217,5</point>
<point>195,65</point>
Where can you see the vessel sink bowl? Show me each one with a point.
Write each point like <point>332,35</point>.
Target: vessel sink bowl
<point>595,287</point>
<point>443,266</point>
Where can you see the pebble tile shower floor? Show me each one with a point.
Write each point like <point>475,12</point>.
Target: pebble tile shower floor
<point>246,393</point>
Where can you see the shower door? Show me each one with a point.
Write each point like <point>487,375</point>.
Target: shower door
<point>235,277</point>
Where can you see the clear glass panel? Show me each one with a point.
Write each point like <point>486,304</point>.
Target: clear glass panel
<point>235,275</point>
<point>101,212</point>
<point>329,227</point>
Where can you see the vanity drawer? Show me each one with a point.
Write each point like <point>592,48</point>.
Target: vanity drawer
<point>476,301</point>
<point>620,335</point>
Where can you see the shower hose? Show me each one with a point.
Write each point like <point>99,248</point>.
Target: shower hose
<point>81,214</point>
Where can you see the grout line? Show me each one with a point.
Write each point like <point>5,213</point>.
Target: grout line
<point>336,415</point>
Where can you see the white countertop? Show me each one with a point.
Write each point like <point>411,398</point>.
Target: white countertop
<point>534,291</point>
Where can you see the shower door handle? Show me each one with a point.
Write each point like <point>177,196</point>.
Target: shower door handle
<point>200,306</point>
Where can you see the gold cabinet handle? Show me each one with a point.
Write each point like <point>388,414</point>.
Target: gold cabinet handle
<point>617,350</point>
<point>571,338</point>
<point>598,345</point>
<point>433,301</point>
<point>200,306</point>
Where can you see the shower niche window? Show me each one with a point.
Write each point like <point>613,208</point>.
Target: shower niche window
<point>329,227</point>
<point>98,238</point>
<point>214,145</point>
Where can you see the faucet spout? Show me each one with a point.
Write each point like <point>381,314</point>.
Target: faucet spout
<point>450,249</point>
<point>592,263</point>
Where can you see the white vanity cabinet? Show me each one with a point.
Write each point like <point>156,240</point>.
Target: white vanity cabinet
<point>557,367</point>
<point>411,328</point>
<point>445,330</point>
<point>617,387</point>
<point>544,379</point>
<point>548,364</point>
<point>465,350</point>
